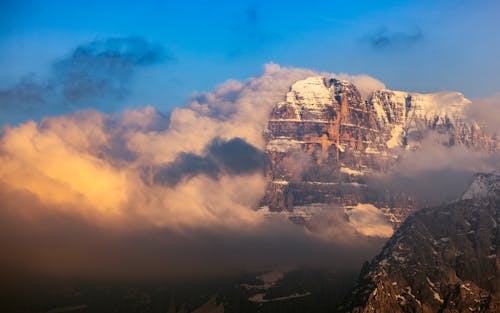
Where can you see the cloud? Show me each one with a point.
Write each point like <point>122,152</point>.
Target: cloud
<point>62,245</point>
<point>248,34</point>
<point>418,172</point>
<point>369,220</point>
<point>59,159</point>
<point>365,84</point>
<point>384,38</point>
<point>103,68</point>
<point>186,165</point>
<point>486,112</point>
<point>24,95</point>
<point>64,161</point>
<point>138,193</point>
<point>236,156</point>
<point>251,14</point>
<point>93,74</point>
<point>232,157</point>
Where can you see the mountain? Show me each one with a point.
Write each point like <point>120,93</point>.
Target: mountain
<point>441,259</point>
<point>324,139</point>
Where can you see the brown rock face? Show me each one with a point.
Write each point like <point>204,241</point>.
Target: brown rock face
<point>442,259</point>
<point>322,126</point>
<point>324,138</point>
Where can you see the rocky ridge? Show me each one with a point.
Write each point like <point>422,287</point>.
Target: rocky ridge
<point>442,259</point>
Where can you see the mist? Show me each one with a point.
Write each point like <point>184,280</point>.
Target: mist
<point>435,173</point>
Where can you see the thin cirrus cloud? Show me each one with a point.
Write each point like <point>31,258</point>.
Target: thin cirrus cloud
<point>386,39</point>
<point>250,33</point>
<point>94,74</point>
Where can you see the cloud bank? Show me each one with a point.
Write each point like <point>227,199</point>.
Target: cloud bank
<point>139,193</point>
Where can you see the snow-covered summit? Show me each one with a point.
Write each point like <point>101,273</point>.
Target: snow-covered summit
<point>483,186</point>
<point>316,93</point>
<point>311,92</point>
<point>400,106</point>
<point>308,99</point>
<point>323,138</point>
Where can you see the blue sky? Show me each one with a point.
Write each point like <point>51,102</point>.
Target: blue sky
<point>420,46</point>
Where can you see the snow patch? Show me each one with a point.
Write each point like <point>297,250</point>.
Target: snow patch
<point>259,298</point>
<point>433,288</point>
<point>350,171</point>
<point>280,182</point>
<point>371,150</point>
<point>283,145</point>
<point>395,140</point>
<point>483,186</point>
<point>210,306</point>
<point>311,92</point>
<point>269,279</point>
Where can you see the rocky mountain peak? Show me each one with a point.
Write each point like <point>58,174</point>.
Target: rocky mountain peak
<point>441,259</point>
<point>324,139</point>
<point>484,186</point>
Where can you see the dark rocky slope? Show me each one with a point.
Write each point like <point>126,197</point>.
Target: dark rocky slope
<point>442,259</point>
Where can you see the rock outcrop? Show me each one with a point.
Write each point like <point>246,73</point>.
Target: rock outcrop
<point>442,259</point>
<point>324,138</point>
